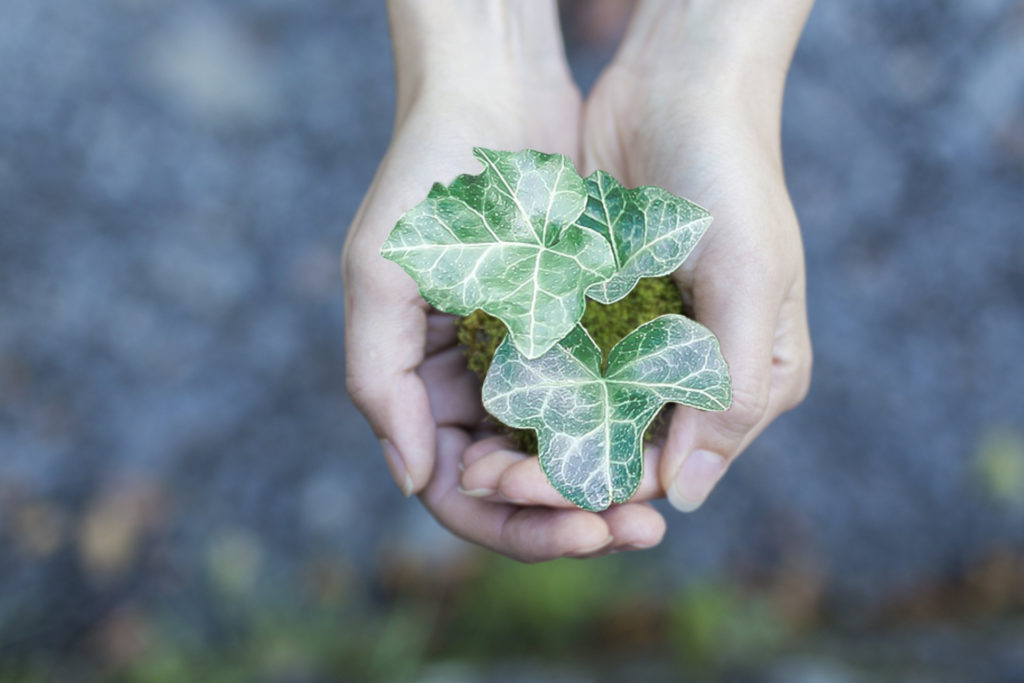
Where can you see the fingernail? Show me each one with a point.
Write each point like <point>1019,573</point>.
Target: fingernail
<point>636,546</point>
<point>695,479</point>
<point>476,493</point>
<point>397,466</point>
<point>514,501</point>
<point>603,544</point>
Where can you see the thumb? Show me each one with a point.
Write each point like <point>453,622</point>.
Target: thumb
<point>385,333</point>
<point>701,445</point>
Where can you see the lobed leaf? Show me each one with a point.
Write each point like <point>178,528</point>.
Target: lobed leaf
<point>651,231</point>
<point>590,423</point>
<point>506,241</point>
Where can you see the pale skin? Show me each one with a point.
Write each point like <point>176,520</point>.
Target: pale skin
<point>692,103</point>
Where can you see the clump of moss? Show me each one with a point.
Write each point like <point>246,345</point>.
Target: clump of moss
<point>480,334</point>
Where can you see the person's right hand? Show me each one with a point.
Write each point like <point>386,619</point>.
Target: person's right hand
<point>510,90</point>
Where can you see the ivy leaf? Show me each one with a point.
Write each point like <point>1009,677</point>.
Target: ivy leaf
<point>651,231</point>
<point>506,241</point>
<point>590,424</point>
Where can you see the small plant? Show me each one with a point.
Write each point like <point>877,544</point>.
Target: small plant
<point>527,241</point>
<point>480,335</point>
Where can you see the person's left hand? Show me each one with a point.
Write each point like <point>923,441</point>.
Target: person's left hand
<point>704,125</point>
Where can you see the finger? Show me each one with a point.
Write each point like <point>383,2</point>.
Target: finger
<point>525,534</point>
<point>385,331</point>
<point>481,479</point>
<point>485,446</point>
<point>524,482</point>
<point>535,534</point>
<point>442,332</point>
<point>738,307</point>
<point>792,356</point>
<point>453,390</point>
<point>635,526</point>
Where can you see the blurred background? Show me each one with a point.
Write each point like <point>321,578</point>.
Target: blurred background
<point>187,494</point>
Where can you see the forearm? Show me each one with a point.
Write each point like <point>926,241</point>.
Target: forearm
<point>710,65</point>
<point>451,45</point>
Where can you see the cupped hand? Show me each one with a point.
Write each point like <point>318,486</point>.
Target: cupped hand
<point>712,136</point>
<point>404,370</point>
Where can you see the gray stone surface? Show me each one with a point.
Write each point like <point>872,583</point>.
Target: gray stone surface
<point>175,182</point>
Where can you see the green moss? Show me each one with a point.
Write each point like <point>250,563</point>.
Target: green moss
<point>480,334</point>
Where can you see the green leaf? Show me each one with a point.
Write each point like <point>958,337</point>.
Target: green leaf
<point>590,424</point>
<point>651,231</point>
<point>506,241</point>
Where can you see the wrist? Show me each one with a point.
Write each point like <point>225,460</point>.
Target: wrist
<point>455,48</point>
<point>710,63</point>
<point>722,41</point>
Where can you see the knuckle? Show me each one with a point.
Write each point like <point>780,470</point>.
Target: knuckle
<point>360,257</point>
<point>361,388</point>
<point>801,386</point>
<point>797,381</point>
<point>749,406</point>
<point>346,267</point>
